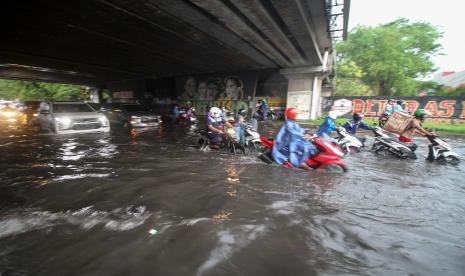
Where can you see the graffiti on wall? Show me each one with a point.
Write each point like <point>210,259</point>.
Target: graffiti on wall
<point>440,107</point>
<point>213,88</point>
<point>202,106</point>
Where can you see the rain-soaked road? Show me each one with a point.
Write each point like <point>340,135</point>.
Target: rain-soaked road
<point>83,205</point>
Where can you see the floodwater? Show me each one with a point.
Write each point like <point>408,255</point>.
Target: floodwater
<point>84,205</point>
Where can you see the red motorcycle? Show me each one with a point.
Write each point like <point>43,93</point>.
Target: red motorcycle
<point>328,154</point>
<point>187,116</point>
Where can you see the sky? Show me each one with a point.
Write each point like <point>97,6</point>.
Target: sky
<point>448,15</point>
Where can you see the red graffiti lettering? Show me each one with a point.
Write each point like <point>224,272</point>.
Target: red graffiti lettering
<point>412,105</point>
<point>368,111</point>
<point>358,105</point>
<point>432,107</point>
<point>462,116</point>
<point>448,105</point>
<point>382,106</point>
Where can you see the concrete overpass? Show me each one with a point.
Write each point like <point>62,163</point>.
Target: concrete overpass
<point>120,44</point>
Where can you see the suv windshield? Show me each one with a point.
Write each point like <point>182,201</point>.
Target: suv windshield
<point>66,108</point>
<point>135,108</point>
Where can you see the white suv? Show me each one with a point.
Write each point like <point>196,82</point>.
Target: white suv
<point>71,117</point>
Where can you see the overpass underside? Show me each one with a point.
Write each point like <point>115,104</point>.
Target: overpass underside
<point>99,42</point>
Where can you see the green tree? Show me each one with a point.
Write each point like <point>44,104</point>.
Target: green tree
<point>349,80</point>
<point>432,88</point>
<point>392,55</point>
<point>33,90</point>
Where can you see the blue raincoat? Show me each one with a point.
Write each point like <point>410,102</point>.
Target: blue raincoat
<point>290,145</point>
<point>264,110</point>
<point>352,126</point>
<point>326,127</point>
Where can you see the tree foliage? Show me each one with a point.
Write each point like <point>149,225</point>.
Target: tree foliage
<point>391,56</point>
<point>348,81</point>
<point>32,90</point>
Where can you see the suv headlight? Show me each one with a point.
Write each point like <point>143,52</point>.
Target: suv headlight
<point>63,122</point>
<point>136,119</point>
<point>103,121</point>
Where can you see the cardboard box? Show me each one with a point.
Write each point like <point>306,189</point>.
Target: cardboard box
<point>398,122</point>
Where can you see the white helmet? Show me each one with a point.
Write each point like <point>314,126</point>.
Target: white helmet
<point>215,110</point>
<point>333,114</point>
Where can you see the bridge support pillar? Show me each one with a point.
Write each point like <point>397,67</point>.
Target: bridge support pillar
<point>304,90</point>
<point>96,95</point>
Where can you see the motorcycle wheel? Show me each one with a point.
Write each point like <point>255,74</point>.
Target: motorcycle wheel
<point>404,154</point>
<point>448,160</point>
<point>377,148</point>
<point>336,168</point>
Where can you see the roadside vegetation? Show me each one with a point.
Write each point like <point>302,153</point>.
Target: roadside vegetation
<point>390,60</point>
<point>34,90</point>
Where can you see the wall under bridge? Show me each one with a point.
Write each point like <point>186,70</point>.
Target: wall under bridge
<point>444,108</point>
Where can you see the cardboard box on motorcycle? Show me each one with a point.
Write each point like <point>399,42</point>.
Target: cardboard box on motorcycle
<point>398,122</point>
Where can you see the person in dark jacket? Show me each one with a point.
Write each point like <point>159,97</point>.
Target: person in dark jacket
<point>353,125</point>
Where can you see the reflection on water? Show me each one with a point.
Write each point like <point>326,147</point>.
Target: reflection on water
<point>84,204</point>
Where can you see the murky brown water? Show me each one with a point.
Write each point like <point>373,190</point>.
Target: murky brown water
<point>83,205</point>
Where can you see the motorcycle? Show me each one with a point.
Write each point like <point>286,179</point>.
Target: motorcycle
<point>382,120</point>
<point>440,151</point>
<point>229,142</point>
<point>385,143</point>
<point>187,116</point>
<point>349,143</point>
<point>270,114</point>
<point>252,137</point>
<point>328,154</point>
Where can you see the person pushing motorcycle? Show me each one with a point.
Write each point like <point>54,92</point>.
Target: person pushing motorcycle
<point>215,124</point>
<point>292,142</point>
<point>353,125</point>
<point>328,125</point>
<point>415,127</point>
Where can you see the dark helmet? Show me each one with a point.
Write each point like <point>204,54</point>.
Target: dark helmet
<point>358,116</point>
<point>242,112</point>
<point>400,102</point>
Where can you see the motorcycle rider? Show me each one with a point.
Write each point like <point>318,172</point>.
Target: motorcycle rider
<point>357,122</point>
<point>263,109</point>
<point>328,124</point>
<point>240,126</point>
<point>189,109</point>
<point>389,108</point>
<point>399,106</point>
<point>292,142</point>
<point>215,124</point>
<point>176,112</point>
<point>387,112</point>
<point>415,127</point>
